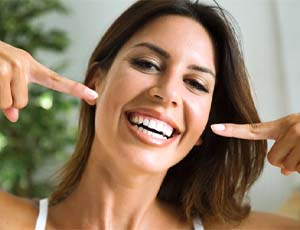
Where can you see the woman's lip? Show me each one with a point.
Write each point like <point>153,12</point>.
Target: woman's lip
<point>156,115</point>
<point>146,138</point>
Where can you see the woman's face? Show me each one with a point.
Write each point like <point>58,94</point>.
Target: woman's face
<point>155,99</point>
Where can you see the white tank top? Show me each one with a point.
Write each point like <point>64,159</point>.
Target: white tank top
<point>43,213</point>
<point>42,216</point>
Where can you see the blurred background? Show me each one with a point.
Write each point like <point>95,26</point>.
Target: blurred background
<point>61,34</point>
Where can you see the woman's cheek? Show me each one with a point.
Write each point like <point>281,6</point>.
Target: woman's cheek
<point>200,115</point>
<point>129,82</point>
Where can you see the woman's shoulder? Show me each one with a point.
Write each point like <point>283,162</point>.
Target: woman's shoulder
<point>270,221</point>
<point>16,212</point>
<point>260,220</point>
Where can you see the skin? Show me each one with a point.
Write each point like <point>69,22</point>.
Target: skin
<point>284,131</point>
<point>119,186</point>
<point>123,174</point>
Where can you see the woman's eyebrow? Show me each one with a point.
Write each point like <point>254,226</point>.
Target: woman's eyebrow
<point>166,55</point>
<point>154,48</point>
<point>202,69</point>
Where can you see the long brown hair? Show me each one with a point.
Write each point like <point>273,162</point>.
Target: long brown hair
<point>213,179</point>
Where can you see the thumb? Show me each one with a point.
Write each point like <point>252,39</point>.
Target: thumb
<point>286,172</point>
<point>12,114</point>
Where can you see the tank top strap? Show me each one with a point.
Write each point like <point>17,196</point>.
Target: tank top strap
<point>42,216</point>
<point>197,223</point>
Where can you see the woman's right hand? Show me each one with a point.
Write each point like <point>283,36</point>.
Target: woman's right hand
<point>18,68</point>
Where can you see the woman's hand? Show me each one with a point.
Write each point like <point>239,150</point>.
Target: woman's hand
<point>18,68</point>
<point>285,152</point>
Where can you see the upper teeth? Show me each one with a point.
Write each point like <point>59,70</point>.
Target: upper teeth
<point>158,125</point>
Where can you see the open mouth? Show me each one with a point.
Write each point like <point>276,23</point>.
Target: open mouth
<point>151,126</point>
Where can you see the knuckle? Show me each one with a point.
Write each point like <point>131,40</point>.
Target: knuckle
<point>22,61</point>
<point>293,118</point>
<point>24,54</point>
<point>272,159</point>
<point>54,81</point>
<point>5,70</point>
<point>289,165</point>
<point>17,64</point>
<point>6,104</point>
<point>295,130</point>
<point>20,104</point>
<point>254,128</point>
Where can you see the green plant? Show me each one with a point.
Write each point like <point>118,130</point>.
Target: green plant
<point>43,133</point>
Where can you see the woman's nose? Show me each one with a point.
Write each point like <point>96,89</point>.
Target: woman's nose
<point>166,91</point>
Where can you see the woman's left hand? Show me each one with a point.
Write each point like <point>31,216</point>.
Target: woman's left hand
<point>285,152</point>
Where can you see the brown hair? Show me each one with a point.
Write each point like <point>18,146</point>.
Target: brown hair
<point>213,179</point>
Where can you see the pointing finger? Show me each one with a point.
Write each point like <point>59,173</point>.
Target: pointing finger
<point>50,79</point>
<point>257,131</point>
<point>12,114</point>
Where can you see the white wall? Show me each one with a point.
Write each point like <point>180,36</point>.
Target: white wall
<point>270,36</point>
<point>289,18</point>
<point>270,48</point>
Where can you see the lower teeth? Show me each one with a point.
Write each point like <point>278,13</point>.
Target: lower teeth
<point>152,134</point>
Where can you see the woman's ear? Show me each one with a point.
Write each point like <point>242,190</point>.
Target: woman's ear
<point>97,80</point>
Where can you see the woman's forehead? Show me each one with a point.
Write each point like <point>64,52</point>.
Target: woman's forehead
<point>179,36</point>
<point>173,28</point>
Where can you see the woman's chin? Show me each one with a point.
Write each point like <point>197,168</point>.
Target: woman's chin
<point>145,161</point>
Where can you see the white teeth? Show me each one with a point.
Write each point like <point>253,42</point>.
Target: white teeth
<point>152,124</point>
<point>135,119</point>
<point>146,122</point>
<point>168,131</point>
<point>158,125</point>
<point>152,134</point>
<point>140,119</point>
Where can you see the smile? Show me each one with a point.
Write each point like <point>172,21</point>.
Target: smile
<point>150,126</point>
<point>150,129</point>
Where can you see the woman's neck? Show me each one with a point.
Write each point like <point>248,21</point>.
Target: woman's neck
<point>110,197</point>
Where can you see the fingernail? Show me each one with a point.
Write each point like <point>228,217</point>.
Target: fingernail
<point>91,94</point>
<point>12,114</point>
<point>286,172</point>
<point>15,114</point>
<point>218,127</point>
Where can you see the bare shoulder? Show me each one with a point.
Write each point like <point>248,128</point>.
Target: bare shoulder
<point>269,221</point>
<point>259,220</point>
<point>16,212</point>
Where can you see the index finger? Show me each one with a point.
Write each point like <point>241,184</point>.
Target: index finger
<point>256,131</point>
<point>52,80</point>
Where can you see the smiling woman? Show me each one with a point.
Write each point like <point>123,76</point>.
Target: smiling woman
<point>146,156</point>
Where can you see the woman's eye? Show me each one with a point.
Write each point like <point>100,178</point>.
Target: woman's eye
<point>196,85</point>
<point>145,65</point>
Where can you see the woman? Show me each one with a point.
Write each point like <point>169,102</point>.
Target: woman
<point>147,156</point>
